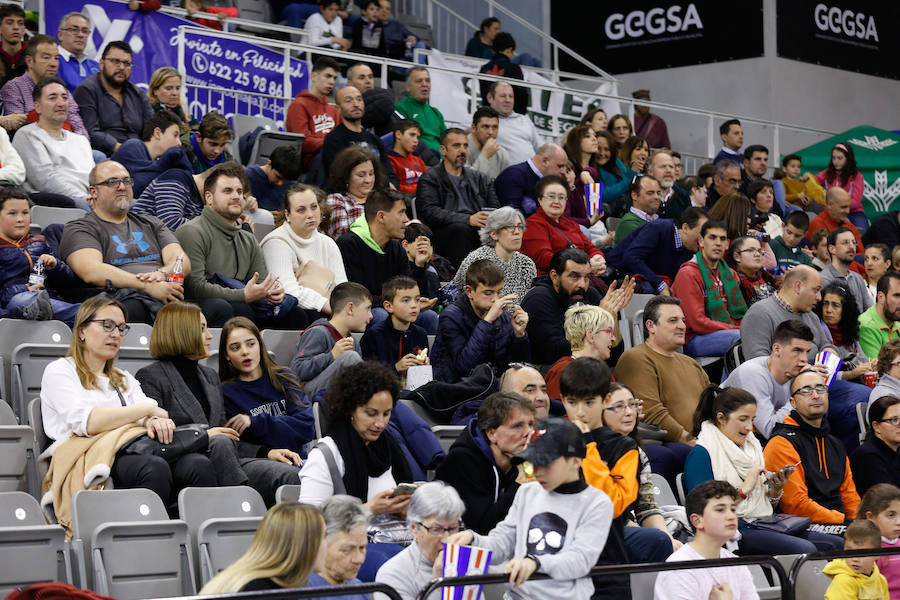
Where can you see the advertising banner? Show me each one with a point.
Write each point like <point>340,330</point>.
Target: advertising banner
<point>645,35</point>
<point>857,35</point>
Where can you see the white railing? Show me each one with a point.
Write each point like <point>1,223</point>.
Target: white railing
<point>262,26</point>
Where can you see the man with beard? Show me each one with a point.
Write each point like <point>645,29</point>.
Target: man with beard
<point>674,199</point>
<point>452,199</point>
<point>57,162</point>
<point>567,283</point>
<point>113,109</point>
<point>878,325</point>
<point>350,132</point>
<point>710,291</point>
<point>114,246</point>
<point>668,382</point>
<point>842,247</point>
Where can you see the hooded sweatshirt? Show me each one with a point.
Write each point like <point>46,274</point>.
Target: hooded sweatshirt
<point>485,489</point>
<point>314,117</point>
<point>847,583</point>
<point>822,487</point>
<point>370,265</point>
<point>17,259</point>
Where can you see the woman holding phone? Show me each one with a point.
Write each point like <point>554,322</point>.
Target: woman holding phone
<point>728,450</point>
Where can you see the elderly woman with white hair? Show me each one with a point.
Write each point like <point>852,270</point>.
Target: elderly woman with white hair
<point>346,518</point>
<point>434,513</point>
<point>501,238</point>
<point>591,331</point>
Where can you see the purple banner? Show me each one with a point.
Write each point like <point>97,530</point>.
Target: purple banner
<point>219,62</point>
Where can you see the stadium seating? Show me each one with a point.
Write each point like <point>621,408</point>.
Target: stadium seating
<point>283,344</point>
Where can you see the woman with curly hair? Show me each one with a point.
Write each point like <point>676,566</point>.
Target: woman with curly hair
<point>354,173</point>
<point>839,316</point>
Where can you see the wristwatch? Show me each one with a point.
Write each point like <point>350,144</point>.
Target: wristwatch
<point>536,560</point>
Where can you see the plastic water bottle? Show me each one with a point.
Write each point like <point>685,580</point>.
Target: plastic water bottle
<point>37,276</point>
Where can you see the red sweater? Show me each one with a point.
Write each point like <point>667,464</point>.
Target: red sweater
<point>314,118</point>
<point>543,238</point>
<point>408,169</point>
<point>688,287</point>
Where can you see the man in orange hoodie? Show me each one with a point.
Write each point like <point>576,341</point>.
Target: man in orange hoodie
<point>821,487</point>
<point>310,112</point>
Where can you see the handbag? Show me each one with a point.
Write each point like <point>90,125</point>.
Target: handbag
<point>316,277</point>
<point>186,439</point>
<point>782,523</point>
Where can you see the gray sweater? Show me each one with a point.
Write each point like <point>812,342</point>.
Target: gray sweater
<point>772,404</point>
<point>314,349</point>
<point>758,328</point>
<point>566,531</point>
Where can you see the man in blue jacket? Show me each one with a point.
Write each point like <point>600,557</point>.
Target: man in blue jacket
<point>656,250</point>
<point>515,185</point>
<point>478,328</point>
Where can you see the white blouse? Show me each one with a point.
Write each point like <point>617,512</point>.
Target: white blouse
<point>66,405</point>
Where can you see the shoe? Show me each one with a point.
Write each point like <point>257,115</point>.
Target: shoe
<point>39,309</point>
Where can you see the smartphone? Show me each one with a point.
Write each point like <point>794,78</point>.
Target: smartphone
<point>404,488</point>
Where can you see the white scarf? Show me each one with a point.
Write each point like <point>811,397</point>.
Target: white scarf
<point>731,463</point>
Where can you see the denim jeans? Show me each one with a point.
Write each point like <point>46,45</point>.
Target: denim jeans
<point>62,311</point>
<point>716,343</point>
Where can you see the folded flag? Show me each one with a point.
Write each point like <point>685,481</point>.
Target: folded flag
<point>593,192</point>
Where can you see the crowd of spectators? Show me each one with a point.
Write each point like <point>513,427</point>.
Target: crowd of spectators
<point>511,269</point>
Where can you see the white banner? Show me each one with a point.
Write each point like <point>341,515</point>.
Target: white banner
<point>452,95</point>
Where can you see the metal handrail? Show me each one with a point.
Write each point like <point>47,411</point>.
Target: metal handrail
<point>832,554</point>
<point>180,12</point>
<point>618,569</point>
<point>305,592</point>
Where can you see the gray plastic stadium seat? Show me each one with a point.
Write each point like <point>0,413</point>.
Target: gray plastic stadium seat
<point>223,521</point>
<point>447,434</point>
<point>261,230</point>
<point>31,551</point>
<point>245,124</point>
<point>15,443</point>
<point>679,484</point>
<point>317,419</point>
<point>862,411</point>
<point>281,343</point>
<point>18,331</point>
<point>216,333</point>
<point>37,469</point>
<point>126,541</point>
<point>286,493</point>
<point>266,142</point>
<point>138,336</point>
<point>28,361</point>
<point>630,320</point>
<point>811,583</point>
<point>50,215</point>
<point>662,491</point>
<point>133,358</point>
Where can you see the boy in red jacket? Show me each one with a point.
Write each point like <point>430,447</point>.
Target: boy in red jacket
<point>407,166</point>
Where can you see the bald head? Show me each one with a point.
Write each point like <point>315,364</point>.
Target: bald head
<point>528,382</point>
<point>837,203</point>
<point>801,288</point>
<point>551,159</point>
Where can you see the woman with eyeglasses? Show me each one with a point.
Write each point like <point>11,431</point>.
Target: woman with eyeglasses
<point>646,529</point>
<point>435,512</point>
<point>734,209</point>
<point>877,459</point>
<point>548,231</point>
<point>839,318</point>
<point>86,396</point>
<point>728,450</point>
<point>745,256</point>
<point>501,240</point>
<point>591,331</point>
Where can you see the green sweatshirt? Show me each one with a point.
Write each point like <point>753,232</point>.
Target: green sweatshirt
<point>215,246</point>
<point>629,223</point>
<point>430,118</point>
<point>788,257</point>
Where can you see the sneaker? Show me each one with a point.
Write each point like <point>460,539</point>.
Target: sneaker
<point>39,309</point>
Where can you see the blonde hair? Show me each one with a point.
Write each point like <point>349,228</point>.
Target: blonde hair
<point>84,317</point>
<point>157,79</point>
<point>284,550</point>
<point>582,319</point>
<point>177,332</point>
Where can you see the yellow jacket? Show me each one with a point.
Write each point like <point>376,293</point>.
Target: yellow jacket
<point>847,584</point>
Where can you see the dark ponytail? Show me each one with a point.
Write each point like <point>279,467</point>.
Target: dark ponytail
<point>715,400</point>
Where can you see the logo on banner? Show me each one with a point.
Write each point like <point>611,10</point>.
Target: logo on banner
<point>845,23</point>
<point>882,195</point>
<point>873,143</point>
<point>655,21</point>
<point>110,31</point>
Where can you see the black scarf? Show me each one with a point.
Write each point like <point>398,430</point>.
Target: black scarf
<point>362,461</point>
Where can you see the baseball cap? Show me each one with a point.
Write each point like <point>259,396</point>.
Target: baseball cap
<point>645,94</point>
<point>551,439</point>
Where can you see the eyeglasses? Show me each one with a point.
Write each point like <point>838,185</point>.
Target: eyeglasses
<point>755,251</point>
<point>74,30</point>
<point>108,325</point>
<point>438,531</point>
<point>119,62</point>
<point>634,405</point>
<point>895,364</point>
<point>893,421</point>
<point>608,330</point>
<point>518,227</point>
<point>555,196</point>
<point>114,183</point>
<point>807,390</point>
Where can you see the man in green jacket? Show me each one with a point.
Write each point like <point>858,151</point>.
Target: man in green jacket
<point>216,244</point>
<point>878,325</point>
<point>416,107</point>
